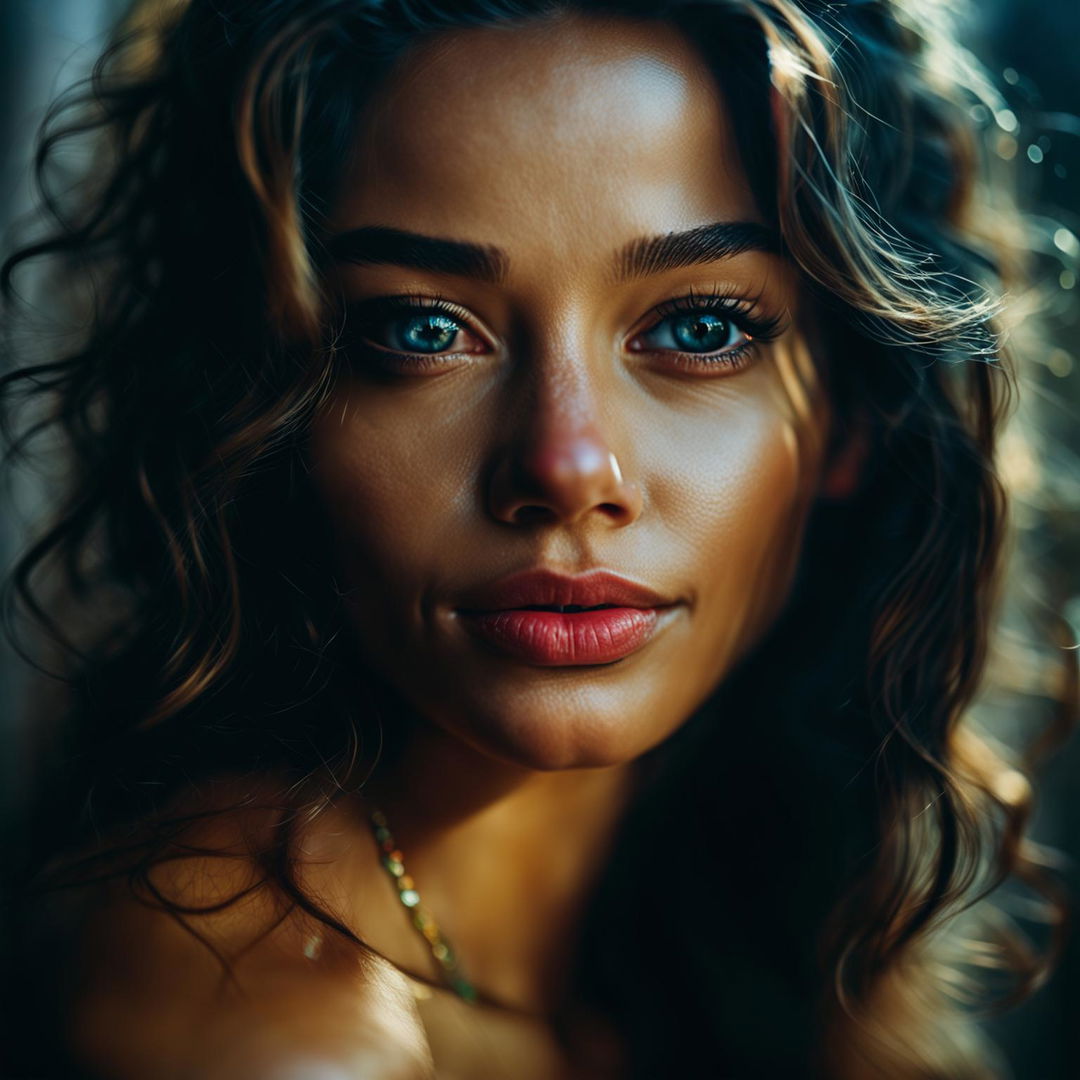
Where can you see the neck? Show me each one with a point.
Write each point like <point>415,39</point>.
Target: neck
<point>504,856</point>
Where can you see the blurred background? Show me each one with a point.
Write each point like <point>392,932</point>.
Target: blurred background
<point>46,45</point>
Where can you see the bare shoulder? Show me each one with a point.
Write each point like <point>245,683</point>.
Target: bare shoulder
<point>227,980</point>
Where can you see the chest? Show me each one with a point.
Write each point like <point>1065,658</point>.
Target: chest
<point>470,1042</point>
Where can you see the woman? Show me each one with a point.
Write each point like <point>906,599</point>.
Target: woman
<point>534,494</point>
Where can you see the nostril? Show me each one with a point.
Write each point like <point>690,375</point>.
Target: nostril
<point>526,515</point>
<point>519,492</point>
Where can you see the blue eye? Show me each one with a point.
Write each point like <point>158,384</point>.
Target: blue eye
<point>700,331</point>
<point>410,334</point>
<point>709,332</point>
<point>409,331</point>
<point>430,332</point>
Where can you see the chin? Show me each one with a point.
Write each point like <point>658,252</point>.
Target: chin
<point>560,735</point>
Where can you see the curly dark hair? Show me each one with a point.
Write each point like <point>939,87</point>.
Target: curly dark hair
<point>198,633</point>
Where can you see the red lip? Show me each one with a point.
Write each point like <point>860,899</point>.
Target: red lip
<point>546,588</point>
<point>503,615</point>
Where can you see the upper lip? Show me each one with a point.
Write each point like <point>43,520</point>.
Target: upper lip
<point>548,588</point>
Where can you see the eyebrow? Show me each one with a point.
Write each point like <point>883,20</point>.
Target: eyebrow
<point>375,245</point>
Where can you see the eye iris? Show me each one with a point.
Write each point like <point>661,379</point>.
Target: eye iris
<point>428,333</point>
<point>702,331</point>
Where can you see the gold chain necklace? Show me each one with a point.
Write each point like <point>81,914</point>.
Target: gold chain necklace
<point>394,863</point>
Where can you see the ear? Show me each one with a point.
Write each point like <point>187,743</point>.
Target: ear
<point>846,460</point>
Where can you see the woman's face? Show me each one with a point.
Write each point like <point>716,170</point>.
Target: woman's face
<point>557,413</point>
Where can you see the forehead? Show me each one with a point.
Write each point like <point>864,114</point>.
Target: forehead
<point>551,137</point>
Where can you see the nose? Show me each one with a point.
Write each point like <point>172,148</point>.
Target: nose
<point>558,467</point>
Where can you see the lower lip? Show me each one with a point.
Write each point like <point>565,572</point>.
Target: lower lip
<point>565,639</point>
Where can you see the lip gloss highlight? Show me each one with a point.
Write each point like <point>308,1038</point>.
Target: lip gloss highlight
<point>565,639</point>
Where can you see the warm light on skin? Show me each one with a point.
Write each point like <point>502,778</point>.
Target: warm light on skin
<point>560,145</point>
<point>564,432</point>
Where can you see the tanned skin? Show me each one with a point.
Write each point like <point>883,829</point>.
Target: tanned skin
<point>561,430</point>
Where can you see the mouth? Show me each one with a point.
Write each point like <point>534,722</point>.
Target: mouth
<point>567,609</point>
<point>548,619</point>
<point>547,590</point>
<point>548,637</point>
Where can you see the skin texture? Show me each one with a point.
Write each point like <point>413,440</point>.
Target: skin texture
<point>560,143</point>
<point>500,458</point>
<point>153,1000</point>
<point>550,436</point>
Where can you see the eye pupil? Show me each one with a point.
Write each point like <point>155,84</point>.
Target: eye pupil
<point>702,331</point>
<point>432,333</point>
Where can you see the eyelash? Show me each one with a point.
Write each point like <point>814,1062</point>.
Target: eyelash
<point>743,313</point>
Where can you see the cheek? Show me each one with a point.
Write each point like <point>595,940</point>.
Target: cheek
<point>394,494</point>
<point>389,476</point>
<point>737,510</point>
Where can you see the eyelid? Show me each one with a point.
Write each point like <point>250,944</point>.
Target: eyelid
<point>730,321</point>
<point>746,311</point>
<point>405,302</point>
<point>372,310</point>
<point>744,314</point>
